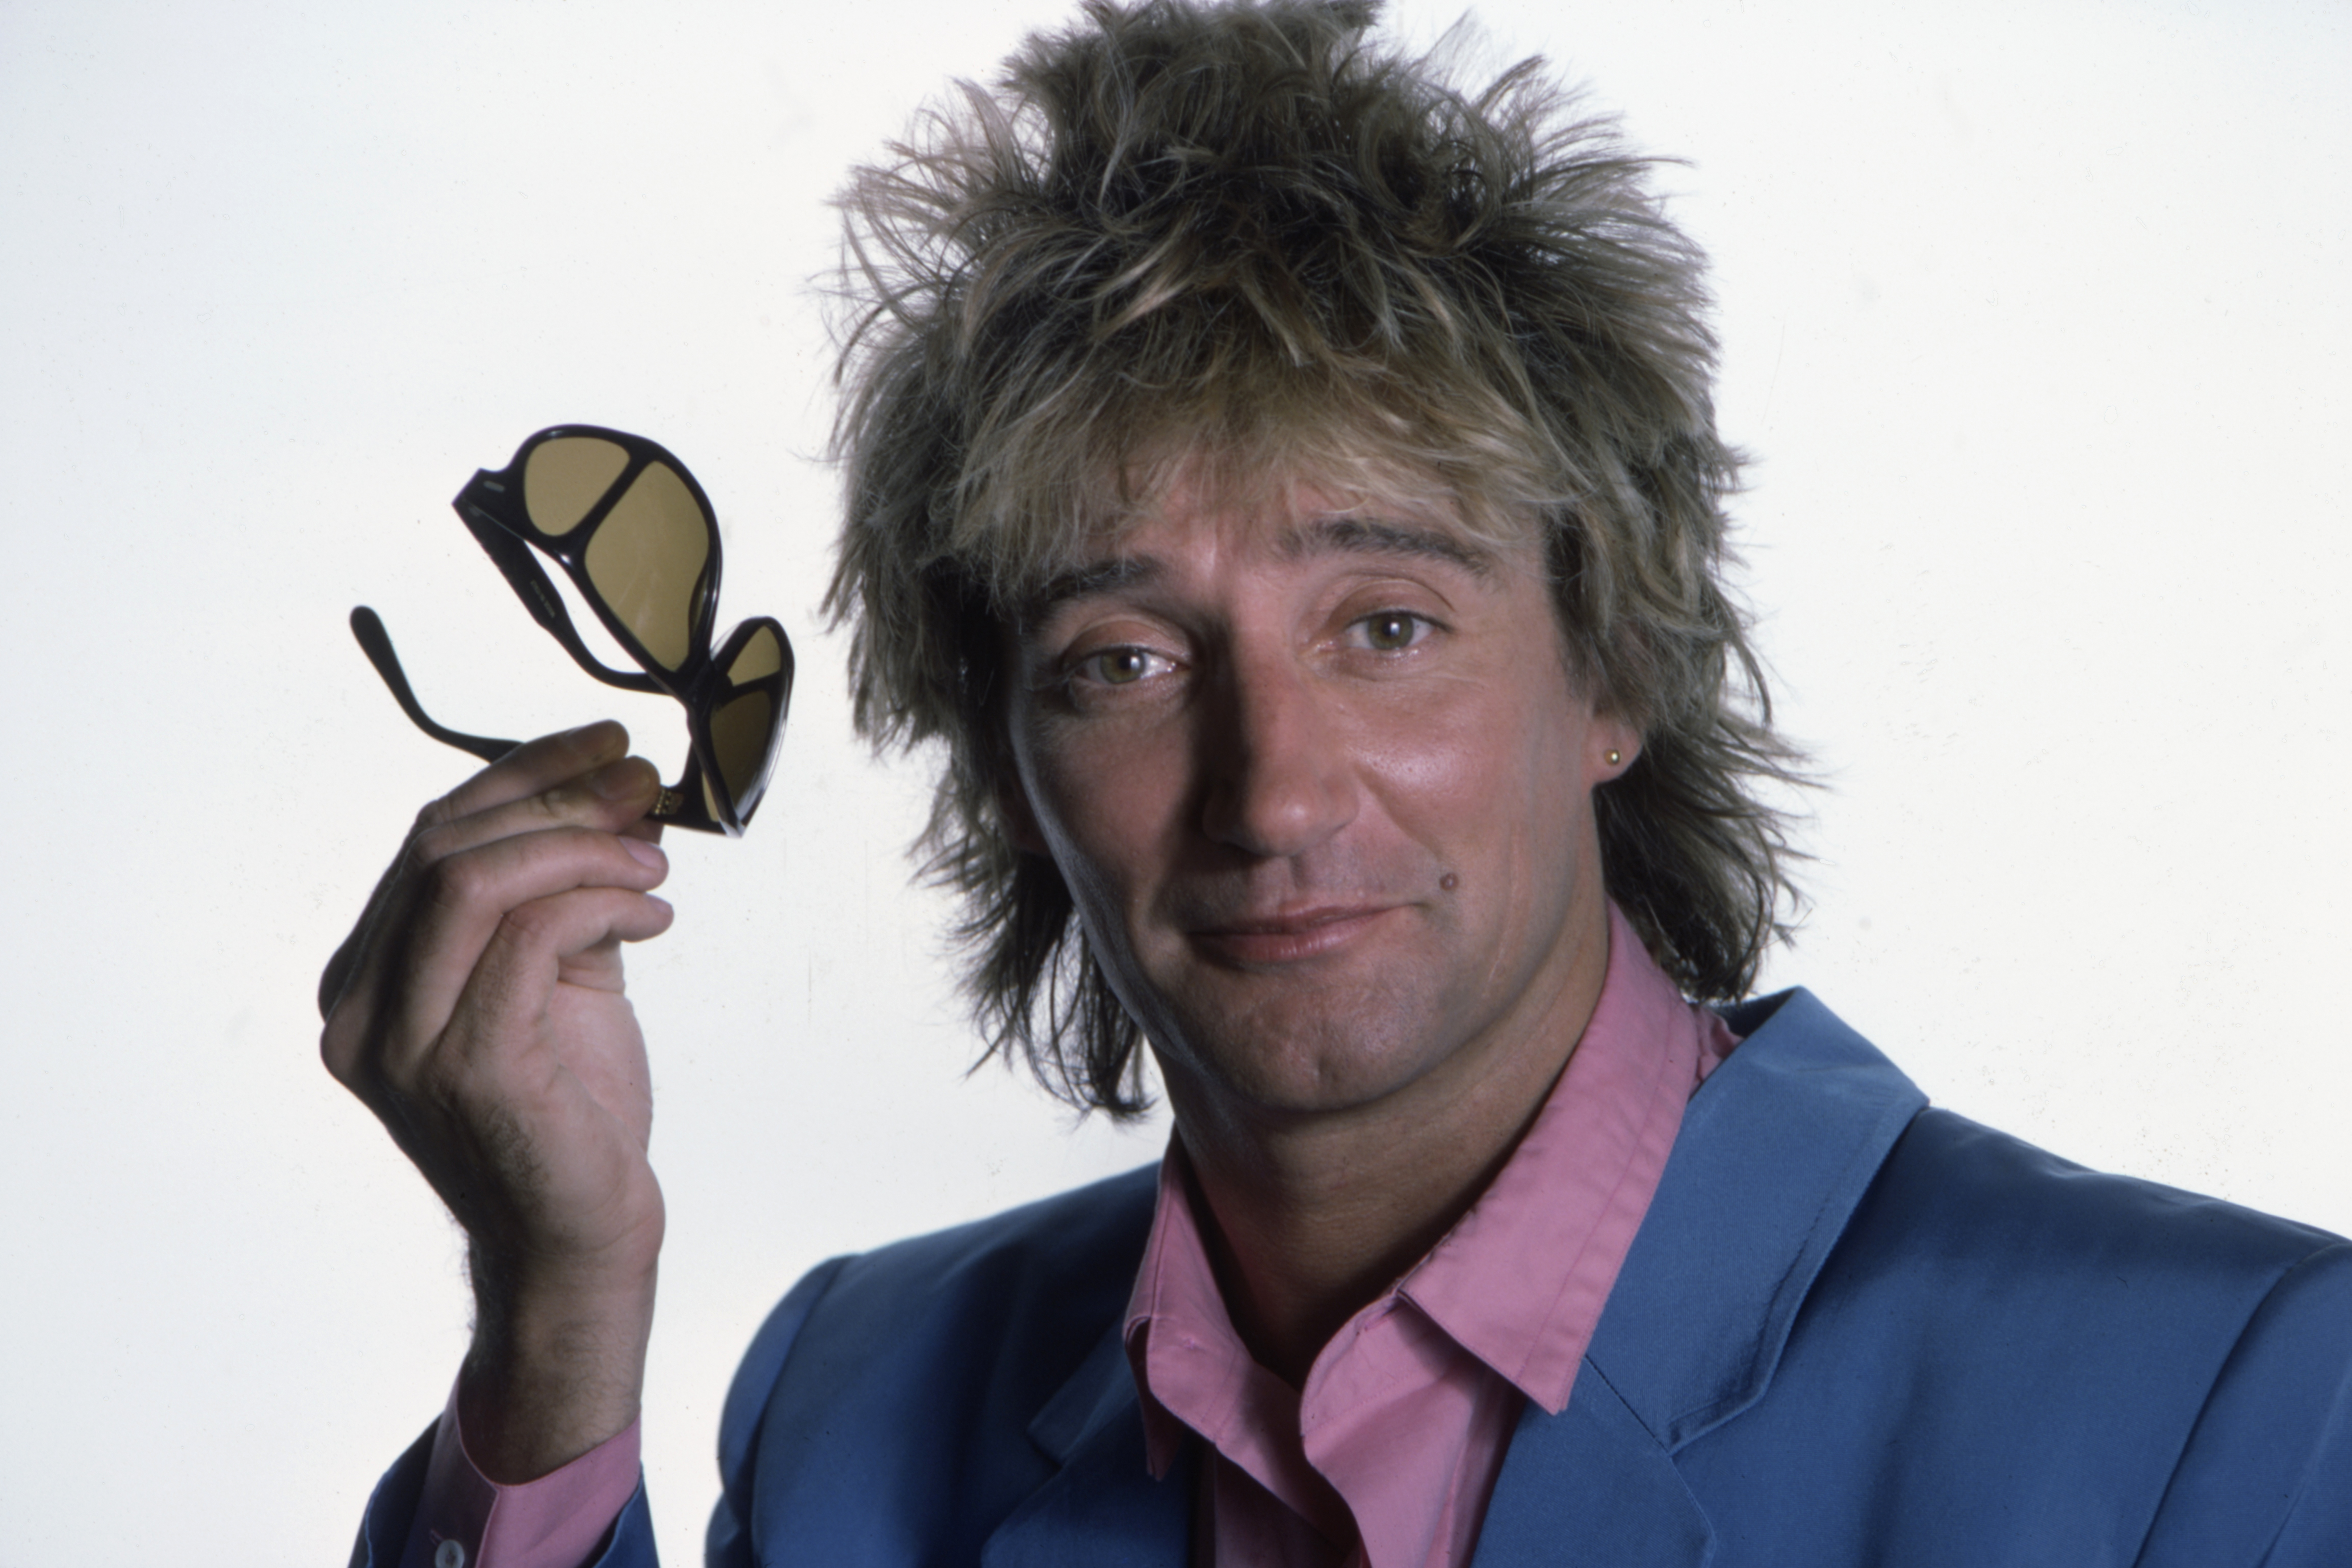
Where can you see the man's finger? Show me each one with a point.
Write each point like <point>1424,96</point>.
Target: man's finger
<point>532,951</point>
<point>412,978</point>
<point>610,797</point>
<point>531,768</point>
<point>553,762</point>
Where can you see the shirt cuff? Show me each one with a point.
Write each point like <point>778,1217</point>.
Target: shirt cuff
<point>465,1519</point>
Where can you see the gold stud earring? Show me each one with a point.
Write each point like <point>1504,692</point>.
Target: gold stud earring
<point>1613,756</point>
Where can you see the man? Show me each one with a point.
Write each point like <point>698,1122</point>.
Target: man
<point>1287,487</point>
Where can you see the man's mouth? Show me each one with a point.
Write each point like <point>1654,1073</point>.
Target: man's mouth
<point>1287,935</point>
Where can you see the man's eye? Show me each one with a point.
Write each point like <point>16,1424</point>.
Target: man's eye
<point>1120,666</point>
<point>1392,631</point>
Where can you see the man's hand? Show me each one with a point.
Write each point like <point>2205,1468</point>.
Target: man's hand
<point>476,1008</point>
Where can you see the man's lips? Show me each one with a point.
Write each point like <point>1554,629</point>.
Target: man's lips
<point>1290,935</point>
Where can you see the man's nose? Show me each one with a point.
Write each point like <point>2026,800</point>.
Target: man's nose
<point>1280,775</point>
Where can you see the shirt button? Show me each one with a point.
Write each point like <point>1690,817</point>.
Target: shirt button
<point>450,1554</point>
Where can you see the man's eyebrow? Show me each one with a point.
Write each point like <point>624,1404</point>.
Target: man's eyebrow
<point>1083,582</point>
<point>1379,535</point>
<point>1339,535</point>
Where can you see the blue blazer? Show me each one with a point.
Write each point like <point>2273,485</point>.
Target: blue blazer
<point>1852,1331</point>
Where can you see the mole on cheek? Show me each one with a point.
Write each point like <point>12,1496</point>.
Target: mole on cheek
<point>1449,881</point>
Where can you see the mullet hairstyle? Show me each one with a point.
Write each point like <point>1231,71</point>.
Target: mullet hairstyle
<point>1238,241</point>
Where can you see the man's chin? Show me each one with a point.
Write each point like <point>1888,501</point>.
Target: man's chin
<point>1307,1057</point>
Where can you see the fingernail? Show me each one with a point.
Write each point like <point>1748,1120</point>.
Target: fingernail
<point>644,854</point>
<point>620,780</point>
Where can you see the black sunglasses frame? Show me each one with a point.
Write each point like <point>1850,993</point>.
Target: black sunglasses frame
<point>492,507</point>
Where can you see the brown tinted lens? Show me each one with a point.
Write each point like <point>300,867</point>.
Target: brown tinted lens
<point>760,656</point>
<point>646,558</point>
<point>563,478</point>
<point>741,730</point>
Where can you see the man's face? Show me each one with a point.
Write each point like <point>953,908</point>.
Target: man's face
<point>1319,779</point>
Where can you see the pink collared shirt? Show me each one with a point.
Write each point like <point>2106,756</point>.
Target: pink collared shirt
<point>1387,1456</point>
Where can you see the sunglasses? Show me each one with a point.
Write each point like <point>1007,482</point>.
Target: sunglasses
<point>637,535</point>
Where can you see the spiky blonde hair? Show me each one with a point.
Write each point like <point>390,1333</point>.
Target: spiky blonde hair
<point>1240,237</point>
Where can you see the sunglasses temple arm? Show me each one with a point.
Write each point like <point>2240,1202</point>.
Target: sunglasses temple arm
<point>376,643</point>
<point>529,581</point>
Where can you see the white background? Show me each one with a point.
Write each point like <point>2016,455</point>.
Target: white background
<point>2035,321</point>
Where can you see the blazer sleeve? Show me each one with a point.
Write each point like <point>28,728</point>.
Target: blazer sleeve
<point>392,1511</point>
<point>2266,1478</point>
<point>728,1543</point>
<point>384,1532</point>
<point>383,1529</point>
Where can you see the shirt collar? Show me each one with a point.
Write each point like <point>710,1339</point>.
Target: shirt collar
<point>1520,1280</point>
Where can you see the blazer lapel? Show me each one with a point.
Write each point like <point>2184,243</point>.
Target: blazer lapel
<point>1102,1507</point>
<point>1777,1148</point>
<point>1589,1488</point>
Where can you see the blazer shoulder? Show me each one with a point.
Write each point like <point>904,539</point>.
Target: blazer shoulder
<point>889,1398</point>
<point>1072,1235</point>
<point>1958,1193</point>
<point>2006,1356</point>
<point>1051,1271</point>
